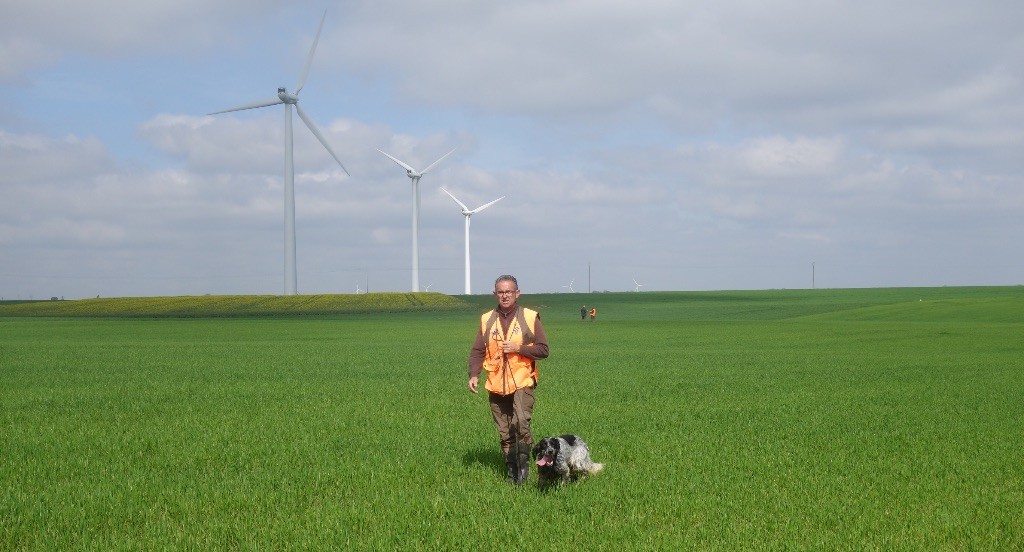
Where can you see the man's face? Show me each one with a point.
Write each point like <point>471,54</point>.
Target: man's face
<point>506,293</point>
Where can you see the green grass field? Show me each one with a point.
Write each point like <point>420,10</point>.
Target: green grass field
<point>884,419</point>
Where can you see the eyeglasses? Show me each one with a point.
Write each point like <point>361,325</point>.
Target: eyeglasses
<point>509,292</point>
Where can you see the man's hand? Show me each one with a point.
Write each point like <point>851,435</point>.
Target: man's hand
<point>473,381</point>
<point>509,347</point>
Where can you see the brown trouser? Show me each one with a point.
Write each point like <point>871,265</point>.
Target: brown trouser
<point>511,412</point>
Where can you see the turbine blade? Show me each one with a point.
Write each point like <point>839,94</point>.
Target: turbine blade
<point>461,204</point>
<point>253,105</point>
<point>312,50</point>
<point>434,164</point>
<point>319,136</point>
<point>486,205</point>
<point>403,165</point>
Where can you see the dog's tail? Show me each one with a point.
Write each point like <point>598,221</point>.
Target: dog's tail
<point>595,468</point>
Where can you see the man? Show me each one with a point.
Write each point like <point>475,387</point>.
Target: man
<point>509,342</point>
<point>583,313</point>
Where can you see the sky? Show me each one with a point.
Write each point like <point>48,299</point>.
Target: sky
<point>646,145</point>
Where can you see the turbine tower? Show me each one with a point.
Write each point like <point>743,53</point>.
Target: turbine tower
<point>414,176</point>
<point>291,99</point>
<point>467,212</point>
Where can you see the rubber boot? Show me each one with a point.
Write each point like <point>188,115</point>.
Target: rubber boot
<point>523,471</point>
<point>513,469</point>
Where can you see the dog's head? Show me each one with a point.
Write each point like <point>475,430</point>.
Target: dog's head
<point>545,451</point>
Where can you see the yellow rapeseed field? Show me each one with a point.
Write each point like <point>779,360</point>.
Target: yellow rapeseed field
<point>238,305</point>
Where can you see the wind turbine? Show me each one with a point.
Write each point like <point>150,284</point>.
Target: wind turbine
<point>291,99</point>
<point>638,285</point>
<point>467,212</point>
<point>570,286</point>
<point>415,176</point>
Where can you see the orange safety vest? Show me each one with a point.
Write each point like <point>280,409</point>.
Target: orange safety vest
<point>508,372</point>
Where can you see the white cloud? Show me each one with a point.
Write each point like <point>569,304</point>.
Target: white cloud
<point>29,158</point>
<point>779,157</point>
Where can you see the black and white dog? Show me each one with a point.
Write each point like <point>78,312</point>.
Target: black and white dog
<point>562,459</point>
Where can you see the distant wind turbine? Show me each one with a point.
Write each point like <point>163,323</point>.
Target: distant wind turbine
<point>570,286</point>
<point>638,285</point>
<point>467,212</point>
<point>291,99</point>
<point>414,176</point>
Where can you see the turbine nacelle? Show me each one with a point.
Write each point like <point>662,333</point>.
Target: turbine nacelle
<point>287,97</point>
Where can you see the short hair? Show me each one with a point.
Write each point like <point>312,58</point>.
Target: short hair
<point>506,278</point>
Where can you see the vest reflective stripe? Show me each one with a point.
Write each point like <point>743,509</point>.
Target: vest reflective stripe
<point>520,371</point>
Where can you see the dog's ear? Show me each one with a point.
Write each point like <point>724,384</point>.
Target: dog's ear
<point>538,447</point>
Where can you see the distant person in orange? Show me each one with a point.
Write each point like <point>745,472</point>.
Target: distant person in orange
<point>593,313</point>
